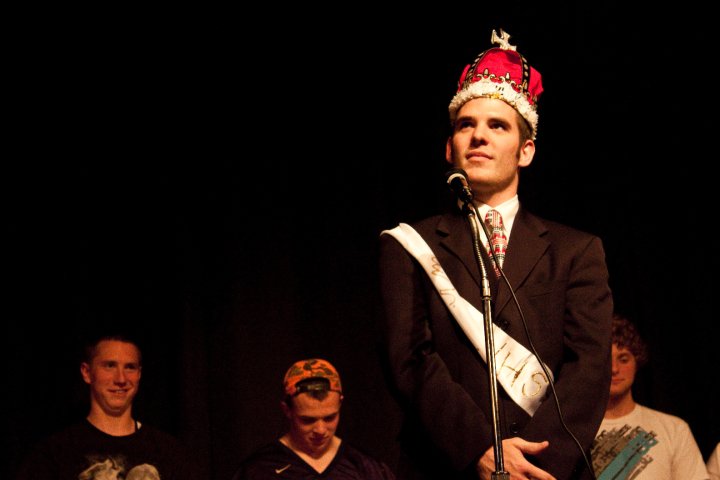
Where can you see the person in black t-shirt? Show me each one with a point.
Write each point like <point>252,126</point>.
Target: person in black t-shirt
<point>310,449</point>
<point>110,444</point>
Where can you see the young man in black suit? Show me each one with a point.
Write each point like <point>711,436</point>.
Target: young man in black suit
<point>433,302</point>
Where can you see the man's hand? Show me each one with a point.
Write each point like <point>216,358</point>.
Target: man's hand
<point>514,450</point>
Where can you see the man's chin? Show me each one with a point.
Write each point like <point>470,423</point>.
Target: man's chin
<point>115,409</point>
<point>319,447</point>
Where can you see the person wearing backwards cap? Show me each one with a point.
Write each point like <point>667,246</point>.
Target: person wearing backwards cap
<point>551,304</point>
<point>310,448</point>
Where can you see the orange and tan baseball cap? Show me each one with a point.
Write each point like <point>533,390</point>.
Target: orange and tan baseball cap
<point>312,368</point>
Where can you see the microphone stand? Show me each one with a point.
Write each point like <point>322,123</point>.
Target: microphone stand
<point>473,219</point>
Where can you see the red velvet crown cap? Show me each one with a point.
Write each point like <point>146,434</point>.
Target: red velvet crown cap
<point>502,73</point>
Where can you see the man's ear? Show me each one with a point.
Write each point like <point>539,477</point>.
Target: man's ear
<point>85,372</point>
<point>527,152</point>
<point>285,408</point>
<point>448,151</point>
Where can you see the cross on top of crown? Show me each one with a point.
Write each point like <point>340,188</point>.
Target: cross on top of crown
<point>503,40</point>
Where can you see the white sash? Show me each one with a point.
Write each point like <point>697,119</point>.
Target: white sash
<point>518,370</point>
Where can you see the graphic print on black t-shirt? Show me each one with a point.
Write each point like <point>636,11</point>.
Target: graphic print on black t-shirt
<point>115,468</point>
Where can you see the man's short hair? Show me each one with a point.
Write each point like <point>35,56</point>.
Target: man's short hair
<point>91,347</point>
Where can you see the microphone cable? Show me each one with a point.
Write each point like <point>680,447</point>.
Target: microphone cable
<point>551,382</point>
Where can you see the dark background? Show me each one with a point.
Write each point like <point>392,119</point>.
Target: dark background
<point>217,181</point>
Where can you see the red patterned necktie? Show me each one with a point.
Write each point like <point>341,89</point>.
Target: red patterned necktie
<point>498,240</point>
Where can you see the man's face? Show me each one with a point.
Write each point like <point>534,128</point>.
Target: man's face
<point>113,376</point>
<point>313,422</point>
<point>624,368</point>
<point>486,144</point>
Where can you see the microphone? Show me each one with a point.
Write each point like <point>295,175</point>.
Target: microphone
<point>457,180</point>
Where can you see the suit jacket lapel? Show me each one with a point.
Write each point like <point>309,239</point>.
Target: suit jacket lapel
<point>525,248</point>
<point>456,235</point>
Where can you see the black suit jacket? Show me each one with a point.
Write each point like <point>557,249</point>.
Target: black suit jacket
<point>561,282</point>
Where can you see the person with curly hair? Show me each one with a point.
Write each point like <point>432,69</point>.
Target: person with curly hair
<point>635,441</point>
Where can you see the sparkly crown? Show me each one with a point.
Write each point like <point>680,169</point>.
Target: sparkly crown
<point>502,73</point>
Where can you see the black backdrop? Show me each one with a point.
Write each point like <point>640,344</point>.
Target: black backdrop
<point>217,181</point>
